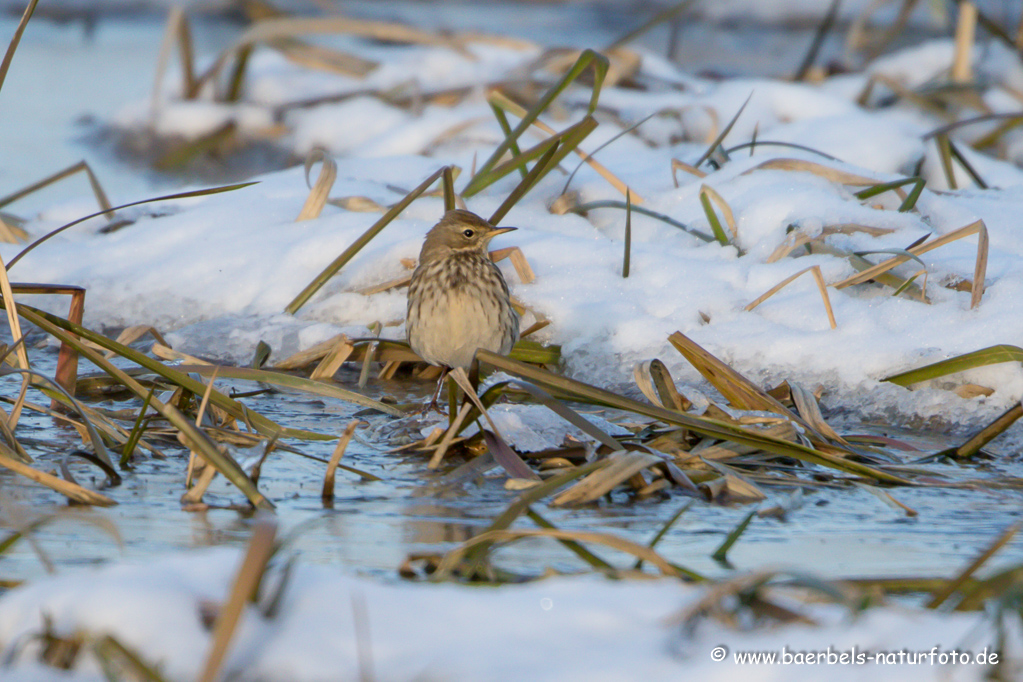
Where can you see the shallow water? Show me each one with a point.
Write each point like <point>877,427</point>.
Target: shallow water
<point>372,526</point>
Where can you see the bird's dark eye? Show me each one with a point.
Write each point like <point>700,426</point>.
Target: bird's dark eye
<point>468,234</point>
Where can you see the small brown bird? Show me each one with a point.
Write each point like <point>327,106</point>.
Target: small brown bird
<point>458,300</point>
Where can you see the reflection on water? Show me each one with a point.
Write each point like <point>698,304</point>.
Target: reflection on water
<point>372,526</point>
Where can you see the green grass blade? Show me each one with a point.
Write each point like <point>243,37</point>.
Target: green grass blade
<point>664,530</point>
<point>665,15</point>
<point>566,140</point>
<point>359,243</point>
<point>586,59</point>
<point>979,358</point>
<point>894,252</point>
<point>626,261</point>
<point>967,166</point>
<point>448,183</point>
<point>583,208</point>
<point>539,169</point>
<point>573,546</point>
<point>776,143</point>
<point>502,120</point>
<point>721,553</point>
<point>712,218</point>
<point>724,133</point>
<point>908,203</point>
<point>136,431</point>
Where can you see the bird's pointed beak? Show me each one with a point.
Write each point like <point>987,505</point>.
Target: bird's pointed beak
<point>501,230</point>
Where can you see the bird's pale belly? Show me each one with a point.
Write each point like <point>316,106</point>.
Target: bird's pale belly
<point>450,328</point>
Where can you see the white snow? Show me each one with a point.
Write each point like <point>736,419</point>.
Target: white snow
<point>566,628</point>
<point>227,263</point>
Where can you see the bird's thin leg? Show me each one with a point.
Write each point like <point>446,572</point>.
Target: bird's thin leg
<point>436,394</point>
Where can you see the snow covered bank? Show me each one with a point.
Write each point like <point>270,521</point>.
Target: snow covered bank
<point>582,628</point>
<point>218,271</point>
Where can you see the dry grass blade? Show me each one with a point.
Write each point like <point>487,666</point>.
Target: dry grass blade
<point>164,353</point>
<point>826,172</point>
<point>980,269</point>
<point>655,382</point>
<point>621,467</point>
<point>861,264</point>
<point>565,412</point>
<point>359,243</point>
<point>167,197</point>
<point>522,267</point>
<point>12,47</point>
<point>320,192</point>
<point>739,391</point>
<point>130,335</point>
<point>449,436</point>
<point>250,573</point>
<point>821,286</point>
<point>194,438</point>
<point>21,353</point>
<point>333,360</point>
<point>312,56</point>
<point>677,165</point>
<point>965,34</point>
<point>335,459</point>
<point>887,498</point>
<point>945,155</point>
<point>810,411</point>
<point>504,455</point>
<point>453,559</point>
<point>712,428</point>
<point>65,488</point>
<point>80,167</point>
<point>120,662</point>
<point>10,231</point>
<point>448,184</point>
<point>198,422</point>
<point>176,29</point>
<point>290,381</point>
<point>310,355</point>
<point>949,589</point>
<point>972,446</point>
<point>284,27</point>
<point>978,358</point>
<point>735,489</point>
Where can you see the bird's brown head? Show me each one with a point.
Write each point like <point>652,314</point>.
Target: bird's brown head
<point>459,231</point>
